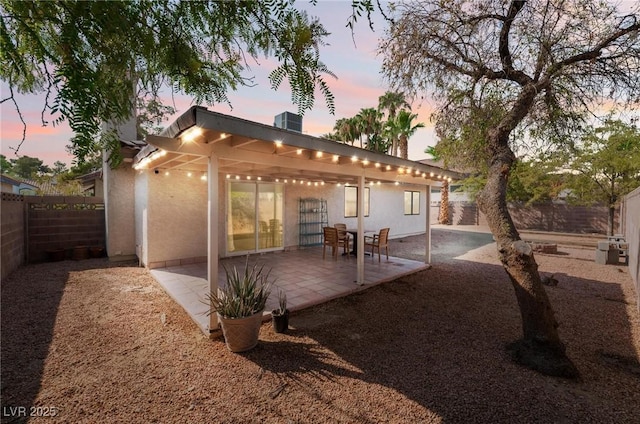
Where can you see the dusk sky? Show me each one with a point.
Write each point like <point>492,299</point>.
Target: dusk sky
<point>358,86</point>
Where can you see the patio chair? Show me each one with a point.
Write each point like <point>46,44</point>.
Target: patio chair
<point>343,237</point>
<point>378,241</point>
<point>330,239</point>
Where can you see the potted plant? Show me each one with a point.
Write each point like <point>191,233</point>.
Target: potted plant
<point>280,316</point>
<point>240,304</point>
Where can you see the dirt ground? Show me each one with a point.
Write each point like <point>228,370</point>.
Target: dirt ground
<point>92,342</point>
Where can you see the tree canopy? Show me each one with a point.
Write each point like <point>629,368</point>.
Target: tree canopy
<point>509,76</point>
<point>94,60</point>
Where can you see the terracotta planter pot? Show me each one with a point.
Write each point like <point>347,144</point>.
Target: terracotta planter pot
<point>56,255</point>
<point>280,322</point>
<point>80,253</point>
<point>241,334</point>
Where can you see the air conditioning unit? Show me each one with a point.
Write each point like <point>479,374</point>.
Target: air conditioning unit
<point>288,121</point>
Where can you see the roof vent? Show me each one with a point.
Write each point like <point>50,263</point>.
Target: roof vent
<point>288,121</point>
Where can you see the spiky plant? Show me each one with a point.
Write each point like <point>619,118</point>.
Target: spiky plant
<point>245,293</point>
<point>282,303</point>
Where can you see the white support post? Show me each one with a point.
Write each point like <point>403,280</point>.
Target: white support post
<point>427,241</point>
<point>213,233</point>
<point>360,240</point>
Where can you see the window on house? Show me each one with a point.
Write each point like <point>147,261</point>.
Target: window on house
<point>412,203</point>
<point>351,201</point>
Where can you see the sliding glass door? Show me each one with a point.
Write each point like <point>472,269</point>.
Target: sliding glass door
<point>254,217</point>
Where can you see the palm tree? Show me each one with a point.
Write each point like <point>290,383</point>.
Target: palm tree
<point>370,124</point>
<point>391,102</point>
<point>443,216</point>
<point>406,129</point>
<point>346,130</point>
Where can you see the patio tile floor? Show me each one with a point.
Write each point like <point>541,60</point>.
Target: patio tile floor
<point>302,274</point>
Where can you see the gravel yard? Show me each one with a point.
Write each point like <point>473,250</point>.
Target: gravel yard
<point>92,341</point>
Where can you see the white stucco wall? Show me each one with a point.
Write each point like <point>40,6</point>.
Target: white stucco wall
<point>176,217</point>
<point>119,198</point>
<point>142,199</point>
<point>386,209</point>
<point>171,214</point>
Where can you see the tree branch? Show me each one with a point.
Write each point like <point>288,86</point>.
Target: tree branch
<point>595,52</point>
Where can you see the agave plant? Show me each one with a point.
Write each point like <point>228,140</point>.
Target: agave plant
<point>245,293</point>
<point>282,303</point>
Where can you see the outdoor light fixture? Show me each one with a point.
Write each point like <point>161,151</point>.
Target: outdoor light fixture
<point>377,164</point>
<point>388,167</point>
<point>278,143</point>
<point>299,151</point>
<point>354,158</point>
<point>189,174</point>
<point>191,134</point>
<point>336,158</point>
<point>318,154</point>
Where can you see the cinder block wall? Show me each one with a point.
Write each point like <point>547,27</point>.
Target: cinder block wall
<point>12,233</point>
<point>55,222</point>
<point>557,218</point>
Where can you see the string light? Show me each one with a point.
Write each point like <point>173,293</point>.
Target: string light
<point>191,134</point>
<point>365,162</point>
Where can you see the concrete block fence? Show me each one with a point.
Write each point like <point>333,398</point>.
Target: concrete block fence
<point>35,226</point>
<point>557,218</point>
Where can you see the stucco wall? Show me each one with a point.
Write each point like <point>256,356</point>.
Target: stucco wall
<point>119,188</point>
<point>386,209</point>
<point>172,212</point>
<point>176,218</point>
<point>142,199</point>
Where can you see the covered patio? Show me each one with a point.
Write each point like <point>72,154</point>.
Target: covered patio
<point>181,222</point>
<point>302,274</point>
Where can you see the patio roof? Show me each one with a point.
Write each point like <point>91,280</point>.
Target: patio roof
<point>213,144</point>
<point>247,149</point>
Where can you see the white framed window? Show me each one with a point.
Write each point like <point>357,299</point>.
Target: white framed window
<point>411,202</point>
<point>351,201</point>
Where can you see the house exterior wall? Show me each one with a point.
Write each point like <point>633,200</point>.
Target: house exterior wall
<point>171,215</point>
<point>120,203</point>
<point>386,209</point>
<point>176,219</point>
<point>140,213</point>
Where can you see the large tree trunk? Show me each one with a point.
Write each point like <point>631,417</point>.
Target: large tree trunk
<point>540,347</point>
